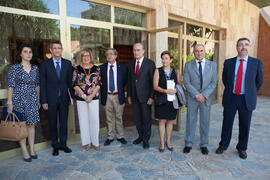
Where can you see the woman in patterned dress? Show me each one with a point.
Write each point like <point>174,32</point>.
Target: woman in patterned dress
<point>23,96</point>
<point>86,83</point>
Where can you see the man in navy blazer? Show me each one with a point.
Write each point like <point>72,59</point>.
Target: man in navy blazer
<point>55,80</point>
<point>114,76</point>
<point>242,77</point>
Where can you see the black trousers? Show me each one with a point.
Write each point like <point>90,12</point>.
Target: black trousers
<point>59,110</point>
<point>142,119</point>
<point>237,104</point>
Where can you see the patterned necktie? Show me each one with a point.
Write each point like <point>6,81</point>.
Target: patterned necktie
<point>137,68</point>
<point>239,77</point>
<point>200,71</point>
<point>111,79</point>
<point>58,69</point>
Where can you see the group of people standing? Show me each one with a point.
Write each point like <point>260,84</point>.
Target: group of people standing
<point>55,83</point>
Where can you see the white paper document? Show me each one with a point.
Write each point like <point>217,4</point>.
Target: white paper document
<point>170,85</point>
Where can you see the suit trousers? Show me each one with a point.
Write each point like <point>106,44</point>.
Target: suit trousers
<point>142,119</point>
<point>237,104</point>
<point>88,114</point>
<point>114,117</point>
<point>192,115</point>
<point>59,110</point>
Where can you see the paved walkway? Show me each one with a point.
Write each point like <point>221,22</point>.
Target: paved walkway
<point>117,162</point>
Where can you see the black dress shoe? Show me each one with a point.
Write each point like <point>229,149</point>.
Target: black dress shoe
<point>242,154</point>
<point>204,150</point>
<point>145,144</point>
<point>122,141</point>
<point>137,141</point>
<point>187,149</point>
<point>220,150</point>
<point>55,152</point>
<point>65,149</point>
<point>108,142</point>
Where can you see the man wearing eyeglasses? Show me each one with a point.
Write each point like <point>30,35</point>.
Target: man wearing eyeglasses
<point>114,78</point>
<point>242,77</point>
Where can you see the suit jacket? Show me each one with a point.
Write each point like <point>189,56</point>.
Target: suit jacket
<point>253,81</point>
<point>141,87</point>
<point>192,80</point>
<point>122,78</point>
<point>50,84</point>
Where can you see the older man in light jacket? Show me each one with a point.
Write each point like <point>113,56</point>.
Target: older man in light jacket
<point>200,80</point>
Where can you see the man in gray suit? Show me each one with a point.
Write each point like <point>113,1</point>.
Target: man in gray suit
<point>200,80</point>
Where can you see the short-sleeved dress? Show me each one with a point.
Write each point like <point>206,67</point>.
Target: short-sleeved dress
<point>166,110</point>
<point>25,98</point>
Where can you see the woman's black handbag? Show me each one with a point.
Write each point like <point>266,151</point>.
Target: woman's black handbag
<point>159,100</point>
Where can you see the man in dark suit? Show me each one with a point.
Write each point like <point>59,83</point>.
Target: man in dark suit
<point>242,77</point>
<point>114,78</point>
<point>140,93</point>
<point>55,80</point>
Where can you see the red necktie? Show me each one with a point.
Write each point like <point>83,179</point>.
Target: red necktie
<point>137,68</point>
<point>239,77</point>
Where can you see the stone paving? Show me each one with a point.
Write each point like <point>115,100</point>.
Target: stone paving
<point>117,162</point>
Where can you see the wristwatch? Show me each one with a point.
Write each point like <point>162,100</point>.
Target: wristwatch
<point>83,96</point>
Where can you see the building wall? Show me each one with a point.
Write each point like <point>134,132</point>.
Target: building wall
<point>236,18</point>
<point>264,55</point>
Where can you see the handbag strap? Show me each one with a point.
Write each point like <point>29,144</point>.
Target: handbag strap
<point>15,117</point>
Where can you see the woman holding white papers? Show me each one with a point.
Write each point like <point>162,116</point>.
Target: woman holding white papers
<point>165,79</point>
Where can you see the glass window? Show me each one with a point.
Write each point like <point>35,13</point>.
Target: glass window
<point>88,10</point>
<point>193,30</point>
<point>46,6</point>
<point>128,17</point>
<point>190,46</point>
<point>211,34</point>
<point>173,47</point>
<point>15,30</point>
<point>175,23</point>
<point>87,37</point>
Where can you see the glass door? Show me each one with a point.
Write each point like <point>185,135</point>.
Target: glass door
<point>160,40</point>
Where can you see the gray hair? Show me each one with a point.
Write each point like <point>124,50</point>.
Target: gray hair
<point>114,51</point>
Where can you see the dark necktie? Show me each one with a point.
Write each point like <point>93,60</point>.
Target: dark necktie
<point>111,79</point>
<point>137,68</point>
<point>239,76</point>
<point>200,71</point>
<point>58,69</point>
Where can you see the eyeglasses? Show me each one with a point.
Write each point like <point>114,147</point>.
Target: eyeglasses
<point>86,56</point>
<point>107,54</point>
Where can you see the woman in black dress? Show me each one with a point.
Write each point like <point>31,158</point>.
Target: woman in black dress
<point>23,96</point>
<point>164,110</point>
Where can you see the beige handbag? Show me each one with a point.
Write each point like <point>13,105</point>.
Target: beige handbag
<point>13,130</point>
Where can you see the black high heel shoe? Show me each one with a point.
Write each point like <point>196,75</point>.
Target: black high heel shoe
<point>169,148</point>
<point>161,150</point>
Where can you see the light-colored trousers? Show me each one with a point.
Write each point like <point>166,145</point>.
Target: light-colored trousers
<point>88,114</point>
<point>193,107</point>
<point>114,117</point>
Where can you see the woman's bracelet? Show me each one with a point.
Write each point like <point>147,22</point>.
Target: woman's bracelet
<point>9,102</point>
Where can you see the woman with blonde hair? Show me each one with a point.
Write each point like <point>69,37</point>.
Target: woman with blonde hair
<point>86,83</point>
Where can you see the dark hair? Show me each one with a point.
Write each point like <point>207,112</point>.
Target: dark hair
<point>55,42</point>
<point>18,57</point>
<point>242,39</point>
<point>114,51</point>
<point>168,53</point>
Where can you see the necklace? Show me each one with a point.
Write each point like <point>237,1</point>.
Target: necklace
<point>87,74</point>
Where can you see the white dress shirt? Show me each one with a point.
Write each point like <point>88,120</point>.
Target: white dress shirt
<point>140,60</point>
<point>115,76</point>
<point>202,63</point>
